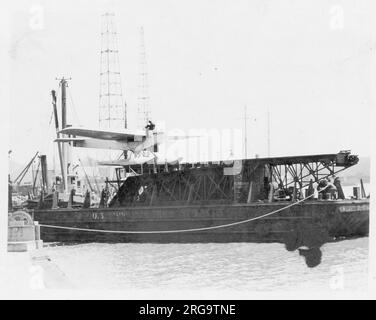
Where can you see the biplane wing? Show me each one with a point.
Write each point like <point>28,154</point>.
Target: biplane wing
<point>69,140</point>
<point>126,162</point>
<point>100,144</point>
<point>124,139</point>
<point>139,161</point>
<point>180,137</point>
<point>118,135</point>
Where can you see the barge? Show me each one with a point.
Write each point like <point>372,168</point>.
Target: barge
<point>295,200</point>
<point>251,200</point>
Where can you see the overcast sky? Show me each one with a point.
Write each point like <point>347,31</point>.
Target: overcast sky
<point>308,62</point>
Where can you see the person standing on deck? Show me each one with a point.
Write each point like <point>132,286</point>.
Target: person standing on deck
<point>340,192</point>
<point>332,189</point>
<point>327,188</point>
<point>150,126</point>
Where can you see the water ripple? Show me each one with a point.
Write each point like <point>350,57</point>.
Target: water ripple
<point>239,266</point>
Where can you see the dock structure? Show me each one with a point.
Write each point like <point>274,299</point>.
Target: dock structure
<point>23,232</point>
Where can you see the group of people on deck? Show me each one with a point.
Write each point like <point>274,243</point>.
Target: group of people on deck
<point>326,189</point>
<point>330,188</point>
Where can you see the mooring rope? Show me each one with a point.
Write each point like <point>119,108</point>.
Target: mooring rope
<point>183,230</point>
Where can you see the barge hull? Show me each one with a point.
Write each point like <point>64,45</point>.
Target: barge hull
<point>337,219</point>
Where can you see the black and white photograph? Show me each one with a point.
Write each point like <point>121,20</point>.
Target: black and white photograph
<point>177,150</point>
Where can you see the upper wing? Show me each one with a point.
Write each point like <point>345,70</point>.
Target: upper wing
<point>69,140</point>
<point>125,139</point>
<point>180,137</point>
<point>124,134</point>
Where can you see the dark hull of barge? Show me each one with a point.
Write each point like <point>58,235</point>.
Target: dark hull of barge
<point>335,219</point>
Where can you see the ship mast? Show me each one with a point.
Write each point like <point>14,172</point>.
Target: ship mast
<point>59,145</point>
<point>268,133</point>
<point>63,85</point>
<point>64,152</point>
<point>246,117</point>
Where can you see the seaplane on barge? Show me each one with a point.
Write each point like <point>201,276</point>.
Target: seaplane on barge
<point>280,199</point>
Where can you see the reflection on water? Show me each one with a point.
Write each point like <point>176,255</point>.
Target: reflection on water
<point>239,266</point>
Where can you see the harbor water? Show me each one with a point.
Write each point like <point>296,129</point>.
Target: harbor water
<point>232,266</point>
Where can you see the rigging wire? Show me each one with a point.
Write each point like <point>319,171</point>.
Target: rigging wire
<point>46,146</point>
<point>73,106</point>
<point>52,115</point>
